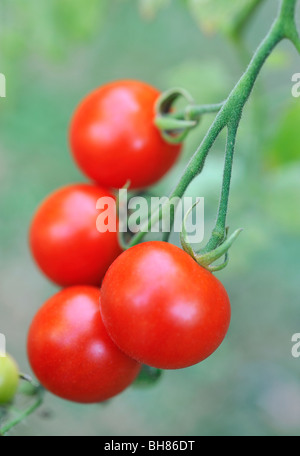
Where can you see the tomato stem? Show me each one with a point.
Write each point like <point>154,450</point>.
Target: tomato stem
<point>175,126</point>
<point>219,232</point>
<point>39,395</point>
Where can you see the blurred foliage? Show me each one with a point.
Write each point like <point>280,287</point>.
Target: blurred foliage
<point>282,198</point>
<point>211,15</point>
<point>47,28</point>
<point>215,15</point>
<point>208,81</point>
<point>149,8</point>
<point>288,132</point>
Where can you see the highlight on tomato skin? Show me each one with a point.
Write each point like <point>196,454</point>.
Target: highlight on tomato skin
<point>163,309</point>
<point>64,239</point>
<point>71,353</point>
<point>113,137</point>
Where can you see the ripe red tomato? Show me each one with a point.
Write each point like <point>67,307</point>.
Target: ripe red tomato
<point>162,308</point>
<point>64,238</point>
<point>71,353</point>
<point>113,137</point>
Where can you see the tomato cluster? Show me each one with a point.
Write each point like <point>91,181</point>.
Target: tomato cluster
<point>150,305</point>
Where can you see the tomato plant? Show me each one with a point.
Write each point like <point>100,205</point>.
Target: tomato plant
<point>113,137</point>
<point>64,238</point>
<point>162,308</point>
<point>71,353</point>
<point>9,379</point>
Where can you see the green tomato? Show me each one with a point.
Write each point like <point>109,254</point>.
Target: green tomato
<point>9,379</point>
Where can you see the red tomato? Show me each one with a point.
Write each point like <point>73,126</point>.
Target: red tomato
<point>64,238</point>
<point>71,353</point>
<point>113,137</point>
<point>163,309</point>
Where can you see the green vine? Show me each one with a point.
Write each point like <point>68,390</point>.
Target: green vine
<point>229,115</point>
<point>35,391</point>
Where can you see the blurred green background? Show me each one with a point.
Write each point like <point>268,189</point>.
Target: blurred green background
<point>53,53</point>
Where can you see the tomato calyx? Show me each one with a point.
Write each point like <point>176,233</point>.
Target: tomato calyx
<point>216,248</point>
<point>175,127</point>
<point>148,377</point>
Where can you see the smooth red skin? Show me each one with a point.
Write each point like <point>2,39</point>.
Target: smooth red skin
<point>113,137</point>
<point>161,308</point>
<point>64,239</point>
<point>71,353</point>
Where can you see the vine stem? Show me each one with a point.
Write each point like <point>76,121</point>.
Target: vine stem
<point>219,232</point>
<point>284,27</point>
<point>21,416</point>
<point>39,393</point>
<point>194,112</point>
